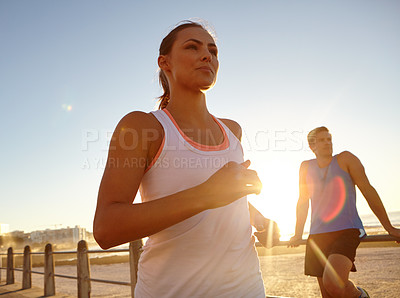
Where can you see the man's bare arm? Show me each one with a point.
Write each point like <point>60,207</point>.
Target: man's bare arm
<point>357,173</point>
<point>302,205</point>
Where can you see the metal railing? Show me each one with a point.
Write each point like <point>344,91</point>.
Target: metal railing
<point>83,265</point>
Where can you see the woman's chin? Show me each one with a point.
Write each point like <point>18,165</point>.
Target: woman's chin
<point>206,86</point>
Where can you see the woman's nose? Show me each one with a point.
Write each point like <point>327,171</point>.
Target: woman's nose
<point>206,56</point>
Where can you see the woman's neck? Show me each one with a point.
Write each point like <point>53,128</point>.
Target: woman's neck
<point>188,108</point>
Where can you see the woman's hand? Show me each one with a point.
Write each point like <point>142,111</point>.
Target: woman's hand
<point>268,233</point>
<point>233,181</point>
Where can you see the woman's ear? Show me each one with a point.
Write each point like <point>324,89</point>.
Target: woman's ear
<point>163,62</point>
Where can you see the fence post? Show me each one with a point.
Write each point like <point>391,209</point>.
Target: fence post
<point>10,266</point>
<point>1,265</point>
<point>83,270</point>
<point>27,268</point>
<point>49,284</point>
<point>135,248</point>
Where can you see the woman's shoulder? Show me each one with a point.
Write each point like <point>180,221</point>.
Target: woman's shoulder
<point>233,126</point>
<point>139,120</point>
<point>139,127</point>
<point>139,130</point>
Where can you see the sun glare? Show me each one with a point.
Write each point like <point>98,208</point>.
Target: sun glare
<point>66,107</point>
<point>278,198</point>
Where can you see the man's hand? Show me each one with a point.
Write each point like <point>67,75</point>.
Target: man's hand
<point>395,233</point>
<point>267,232</point>
<point>295,241</point>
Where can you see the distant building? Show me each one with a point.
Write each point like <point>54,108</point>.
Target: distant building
<point>61,237</point>
<point>68,235</point>
<point>18,234</point>
<point>14,238</point>
<point>4,228</point>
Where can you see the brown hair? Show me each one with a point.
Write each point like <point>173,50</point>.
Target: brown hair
<point>165,48</point>
<point>312,135</point>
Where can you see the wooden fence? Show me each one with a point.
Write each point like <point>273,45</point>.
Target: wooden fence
<point>83,265</point>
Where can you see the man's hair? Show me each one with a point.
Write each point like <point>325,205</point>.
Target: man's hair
<point>312,135</point>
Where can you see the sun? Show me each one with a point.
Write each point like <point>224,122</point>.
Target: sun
<point>278,198</point>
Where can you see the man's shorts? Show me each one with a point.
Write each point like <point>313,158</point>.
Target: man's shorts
<point>320,246</point>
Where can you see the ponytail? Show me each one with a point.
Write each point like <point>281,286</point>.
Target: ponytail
<point>163,99</point>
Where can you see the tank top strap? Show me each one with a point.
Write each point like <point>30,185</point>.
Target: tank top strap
<point>164,120</point>
<point>171,135</point>
<point>174,133</point>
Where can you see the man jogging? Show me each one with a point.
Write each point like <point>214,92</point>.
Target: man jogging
<point>336,228</point>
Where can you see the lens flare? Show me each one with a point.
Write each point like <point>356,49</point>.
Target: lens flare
<point>321,257</point>
<point>325,262</point>
<point>336,189</point>
<point>66,107</point>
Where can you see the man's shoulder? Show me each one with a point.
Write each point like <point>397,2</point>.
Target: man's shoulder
<point>346,156</point>
<point>304,166</point>
<point>348,160</point>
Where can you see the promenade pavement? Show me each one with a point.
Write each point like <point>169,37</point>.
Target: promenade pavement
<point>15,291</point>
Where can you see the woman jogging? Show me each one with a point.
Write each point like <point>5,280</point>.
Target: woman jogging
<point>188,166</point>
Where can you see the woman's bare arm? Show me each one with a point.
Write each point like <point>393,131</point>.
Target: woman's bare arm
<point>118,221</point>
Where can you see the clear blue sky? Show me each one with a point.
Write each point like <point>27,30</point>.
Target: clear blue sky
<point>69,70</point>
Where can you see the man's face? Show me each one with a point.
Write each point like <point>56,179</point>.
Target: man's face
<point>323,144</point>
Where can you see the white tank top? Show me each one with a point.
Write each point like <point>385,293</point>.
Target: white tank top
<point>210,254</point>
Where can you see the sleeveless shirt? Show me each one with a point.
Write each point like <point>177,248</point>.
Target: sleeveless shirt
<point>333,198</point>
<point>210,254</point>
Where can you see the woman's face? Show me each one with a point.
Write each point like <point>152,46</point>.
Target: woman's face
<point>193,60</point>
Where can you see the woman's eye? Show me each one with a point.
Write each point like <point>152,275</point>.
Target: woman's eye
<point>214,52</point>
<point>192,46</point>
